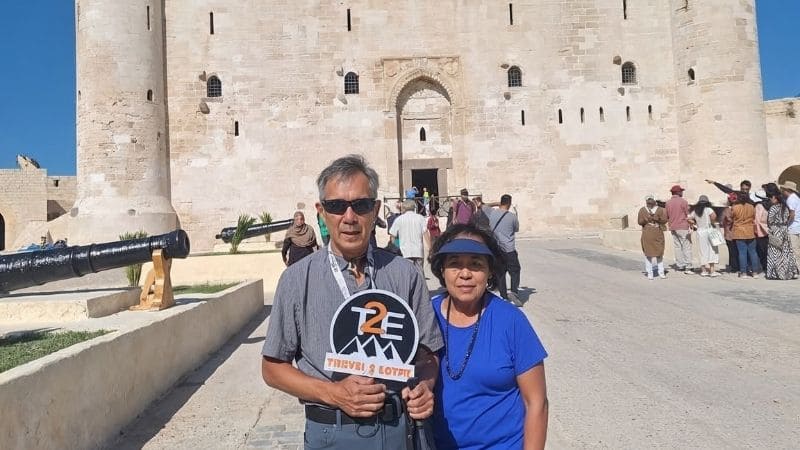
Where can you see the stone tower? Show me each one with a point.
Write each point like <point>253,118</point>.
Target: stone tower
<point>123,154</point>
<point>720,109</point>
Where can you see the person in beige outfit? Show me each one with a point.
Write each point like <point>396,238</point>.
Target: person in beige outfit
<point>653,220</point>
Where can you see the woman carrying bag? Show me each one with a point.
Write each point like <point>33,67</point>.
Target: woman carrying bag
<point>703,219</point>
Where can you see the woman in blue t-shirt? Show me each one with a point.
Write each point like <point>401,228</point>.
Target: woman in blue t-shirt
<point>491,392</point>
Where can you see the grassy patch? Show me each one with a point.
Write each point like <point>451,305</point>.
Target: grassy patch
<point>18,350</point>
<point>202,288</point>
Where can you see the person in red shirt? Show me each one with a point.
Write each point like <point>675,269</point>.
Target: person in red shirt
<point>677,216</point>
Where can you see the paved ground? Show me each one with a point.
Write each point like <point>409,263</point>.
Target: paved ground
<point>686,362</point>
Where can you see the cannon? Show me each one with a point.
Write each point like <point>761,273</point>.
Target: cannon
<point>23,270</point>
<point>256,230</point>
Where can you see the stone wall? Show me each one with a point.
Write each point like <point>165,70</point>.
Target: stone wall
<point>23,200</point>
<point>589,147</point>
<point>123,155</point>
<point>442,65</point>
<point>783,130</point>
<point>61,193</point>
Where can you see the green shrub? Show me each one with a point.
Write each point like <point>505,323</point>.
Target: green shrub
<point>133,272</point>
<point>245,221</point>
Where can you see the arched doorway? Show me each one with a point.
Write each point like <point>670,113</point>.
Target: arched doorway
<point>424,135</point>
<point>791,173</point>
<point>2,233</point>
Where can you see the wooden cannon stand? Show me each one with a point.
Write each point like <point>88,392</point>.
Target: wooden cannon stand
<point>157,289</point>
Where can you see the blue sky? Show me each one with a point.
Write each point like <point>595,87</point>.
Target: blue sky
<point>37,98</point>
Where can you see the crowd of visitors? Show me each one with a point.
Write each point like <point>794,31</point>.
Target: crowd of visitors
<point>760,229</point>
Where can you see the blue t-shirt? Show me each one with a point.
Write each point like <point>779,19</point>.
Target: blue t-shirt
<point>484,408</point>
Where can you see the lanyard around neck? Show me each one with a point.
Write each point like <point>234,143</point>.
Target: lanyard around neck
<point>369,271</point>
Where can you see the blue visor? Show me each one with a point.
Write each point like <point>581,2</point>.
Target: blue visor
<point>469,246</point>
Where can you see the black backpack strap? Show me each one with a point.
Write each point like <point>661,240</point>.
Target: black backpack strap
<point>498,221</point>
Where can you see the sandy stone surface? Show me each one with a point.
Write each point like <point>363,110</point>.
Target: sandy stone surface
<point>686,362</point>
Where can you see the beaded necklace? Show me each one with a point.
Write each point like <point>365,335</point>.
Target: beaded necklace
<point>470,347</point>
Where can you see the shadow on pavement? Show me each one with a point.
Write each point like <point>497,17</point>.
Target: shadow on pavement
<point>156,416</point>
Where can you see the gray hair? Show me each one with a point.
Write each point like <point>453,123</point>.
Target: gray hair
<point>344,168</point>
<point>409,205</point>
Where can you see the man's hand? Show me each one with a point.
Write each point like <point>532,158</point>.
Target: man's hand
<point>419,401</point>
<point>358,396</point>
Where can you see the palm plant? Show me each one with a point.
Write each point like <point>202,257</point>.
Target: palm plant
<point>245,221</point>
<point>133,272</point>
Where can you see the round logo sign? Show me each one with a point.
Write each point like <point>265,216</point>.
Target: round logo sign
<point>373,333</point>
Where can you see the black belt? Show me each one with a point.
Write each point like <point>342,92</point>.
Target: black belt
<point>392,411</point>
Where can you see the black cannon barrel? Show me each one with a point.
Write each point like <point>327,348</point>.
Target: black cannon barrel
<point>23,270</point>
<point>256,230</point>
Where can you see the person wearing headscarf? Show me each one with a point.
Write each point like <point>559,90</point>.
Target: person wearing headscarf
<point>780,256</point>
<point>653,220</point>
<point>300,240</point>
<point>703,218</point>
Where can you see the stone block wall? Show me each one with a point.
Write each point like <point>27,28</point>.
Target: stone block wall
<point>61,193</point>
<point>282,70</point>
<point>23,200</point>
<point>783,132</point>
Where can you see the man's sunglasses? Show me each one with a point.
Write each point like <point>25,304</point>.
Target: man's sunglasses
<point>360,206</point>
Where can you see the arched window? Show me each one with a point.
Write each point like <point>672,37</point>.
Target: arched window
<point>149,95</point>
<point>628,73</point>
<point>422,136</point>
<point>514,77</point>
<point>351,83</point>
<point>691,74</point>
<point>213,87</point>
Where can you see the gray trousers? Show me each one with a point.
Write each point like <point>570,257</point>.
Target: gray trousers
<point>377,435</point>
<point>682,244</point>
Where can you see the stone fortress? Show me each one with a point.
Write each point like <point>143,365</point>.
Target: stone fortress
<point>191,112</point>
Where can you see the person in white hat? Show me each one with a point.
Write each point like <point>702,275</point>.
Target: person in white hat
<point>789,191</point>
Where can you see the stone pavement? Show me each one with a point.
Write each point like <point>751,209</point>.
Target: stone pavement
<point>686,362</point>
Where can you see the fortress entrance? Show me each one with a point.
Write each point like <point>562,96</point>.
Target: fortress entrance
<point>424,135</point>
<point>425,178</point>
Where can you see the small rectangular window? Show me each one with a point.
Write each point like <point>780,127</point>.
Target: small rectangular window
<point>236,128</point>
<point>602,115</point>
<point>650,111</point>
<point>625,9</point>
<point>211,23</point>
<point>560,117</point>
<point>523,117</point>
<point>583,117</point>
<point>148,18</point>
<point>628,113</point>
<point>511,14</point>
<point>349,25</point>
